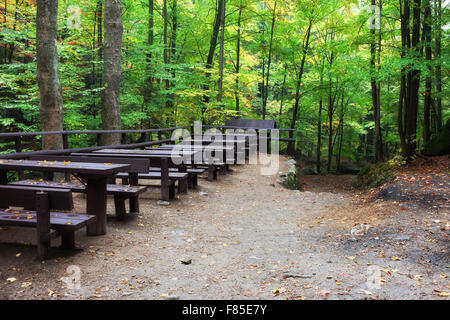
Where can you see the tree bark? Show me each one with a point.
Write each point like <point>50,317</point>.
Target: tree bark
<point>410,77</point>
<point>437,54</point>
<point>51,105</point>
<point>221,55</point>
<point>112,71</point>
<point>428,84</point>
<point>212,49</point>
<point>269,62</point>
<point>238,58</point>
<point>375,65</point>
<point>299,81</point>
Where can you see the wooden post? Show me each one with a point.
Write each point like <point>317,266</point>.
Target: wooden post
<point>124,138</point>
<point>65,138</point>
<point>134,201</point>
<point>3,177</point>
<point>43,224</point>
<point>165,182</point>
<point>99,139</point>
<point>96,205</point>
<point>19,149</point>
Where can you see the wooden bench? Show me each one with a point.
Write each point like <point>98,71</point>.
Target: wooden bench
<point>121,193</point>
<point>39,204</point>
<point>181,177</point>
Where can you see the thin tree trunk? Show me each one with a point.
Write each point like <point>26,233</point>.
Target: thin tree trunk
<point>299,81</point>
<point>51,106</point>
<point>238,58</point>
<point>413,87</point>
<point>266,92</point>
<point>283,88</point>
<point>212,49</point>
<point>375,84</point>
<point>438,12</point>
<point>148,84</point>
<point>428,85</point>
<point>112,71</point>
<point>221,56</point>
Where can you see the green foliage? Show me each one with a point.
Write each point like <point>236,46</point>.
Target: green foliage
<point>375,175</point>
<point>339,54</point>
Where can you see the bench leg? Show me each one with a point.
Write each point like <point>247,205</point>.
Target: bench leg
<point>182,185</point>
<point>165,193</point>
<point>212,173</point>
<point>42,224</point>
<point>193,180</point>
<point>172,191</point>
<point>68,240</point>
<point>119,203</point>
<point>134,201</point>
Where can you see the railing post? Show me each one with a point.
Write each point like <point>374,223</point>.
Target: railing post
<point>159,135</point>
<point>19,149</point>
<point>65,138</point>
<point>99,139</point>
<point>124,138</point>
<point>143,138</point>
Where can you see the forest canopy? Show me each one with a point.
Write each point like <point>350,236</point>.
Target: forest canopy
<point>358,80</point>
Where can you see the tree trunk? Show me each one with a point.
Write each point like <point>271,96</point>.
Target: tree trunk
<point>148,84</point>
<point>410,78</point>
<point>428,85</point>
<point>376,88</point>
<point>212,49</point>
<point>283,88</point>
<point>437,54</point>
<point>112,71</point>
<point>238,58</point>
<point>319,121</point>
<point>299,81</point>
<point>221,56</point>
<point>269,62</point>
<point>51,106</point>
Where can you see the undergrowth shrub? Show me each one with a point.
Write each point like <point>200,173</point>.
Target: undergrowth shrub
<point>375,175</point>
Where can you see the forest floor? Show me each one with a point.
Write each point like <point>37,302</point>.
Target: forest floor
<point>246,237</point>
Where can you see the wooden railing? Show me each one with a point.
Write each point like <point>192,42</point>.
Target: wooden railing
<point>145,139</point>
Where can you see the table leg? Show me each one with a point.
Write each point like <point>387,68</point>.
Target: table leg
<point>134,201</point>
<point>3,177</point>
<point>96,205</point>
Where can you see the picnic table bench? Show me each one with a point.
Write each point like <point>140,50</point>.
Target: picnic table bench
<point>39,206</point>
<point>95,174</point>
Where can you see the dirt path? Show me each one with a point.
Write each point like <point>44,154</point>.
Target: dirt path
<point>248,238</point>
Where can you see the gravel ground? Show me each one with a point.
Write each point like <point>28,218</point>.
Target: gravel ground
<point>248,238</point>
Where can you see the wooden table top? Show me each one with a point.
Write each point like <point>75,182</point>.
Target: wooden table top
<point>59,166</point>
<point>168,153</point>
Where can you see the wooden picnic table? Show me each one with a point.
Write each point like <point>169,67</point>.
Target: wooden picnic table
<point>182,153</point>
<point>186,155</point>
<point>191,147</point>
<point>218,150</point>
<point>96,175</point>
